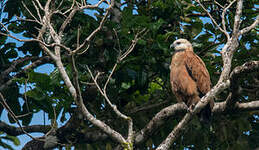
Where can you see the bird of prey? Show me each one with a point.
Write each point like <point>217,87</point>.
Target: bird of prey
<point>190,80</point>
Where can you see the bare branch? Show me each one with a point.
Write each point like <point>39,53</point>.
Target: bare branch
<point>44,45</point>
<point>189,115</point>
<point>14,131</point>
<point>212,19</point>
<point>67,21</point>
<point>25,19</point>
<point>12,67</point>
<point>148,107</point>
<point>237,20</point>
<point>247,67</point>
<point>84,6</point>
<point>9,110</point>
<point>34,64</point>
<point>38,11</point>
<point>133,44</point>
<point>218,4</point>
<point>103,91</point>
<point>39,4</point>
<point>159,119</point>
<point>86,41</point>
<point>71,8</point>
<point>4,27</point>
<point>223,18</point>
<point>249,28</point>
<point>114,107</point>
<point>30,13</point>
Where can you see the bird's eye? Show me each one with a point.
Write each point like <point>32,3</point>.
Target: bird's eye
<point>178,43</point>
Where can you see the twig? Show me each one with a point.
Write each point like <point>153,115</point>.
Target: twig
<point>118,41</point>
<point>148,107</point>
<point>79,101</point>
<point>16,131</point>
<point>38,11</point>
<point>4,27</point>
<point>34,64</point>
<point>39,4</point>
<point>28,20</point>
<point>109,78</point>
<point>68,19</point>
<point>13,65</point>
<point>9,110</point>
<point>218,4</point>
<point>30,13</point>
<point>84,6</point>
<point>86,41</point>
<point>53,124</point>
<point>71,8</point>
<point>223,18</point>
<point>133,44</point>
<point>212,19</point>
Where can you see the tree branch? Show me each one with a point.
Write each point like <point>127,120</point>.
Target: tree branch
<point>223,18</point>
<point>12,67</point>
<point>159,119</point>
<point>33,65</point>
<point>189,115</point>
<point>16,131</point>
<point>12,114</point>
<point>212,19</point>
<point>249,28</point>
<point>237,20</point>
<point>248,67</point>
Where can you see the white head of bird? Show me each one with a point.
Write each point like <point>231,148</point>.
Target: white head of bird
<point>182,44</point>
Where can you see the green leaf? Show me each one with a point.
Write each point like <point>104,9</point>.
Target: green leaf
<point>15,28</point>
<point>196,28</point>
<point>2,39</point>
<point>142,42</point>
<point>36,94</point>
<point>12,54</point>
<point>108,146</point>
<point>32,47</point>
<point>41,79</point>
<point>158,24</point>
<point>13,139</point>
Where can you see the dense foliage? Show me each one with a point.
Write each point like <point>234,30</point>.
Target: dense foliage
<point>140,81</point>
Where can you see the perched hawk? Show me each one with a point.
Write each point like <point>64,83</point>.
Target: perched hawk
<point>190,80</point>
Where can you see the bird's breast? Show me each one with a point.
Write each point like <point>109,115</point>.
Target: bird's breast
<point>177,59</point>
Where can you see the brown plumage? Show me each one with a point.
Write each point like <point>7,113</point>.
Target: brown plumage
<point>190,80</point>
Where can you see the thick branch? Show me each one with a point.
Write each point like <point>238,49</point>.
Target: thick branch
<point>159,119</point>
<point>237,20</point>
<point>12,67</point>
<point>249,28</point>
<point>33,65</point>
<point>157,122</point>
<point>248,67</point>
<point>238,107</point>
<point>188,117</point>
<point>16,131</point>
